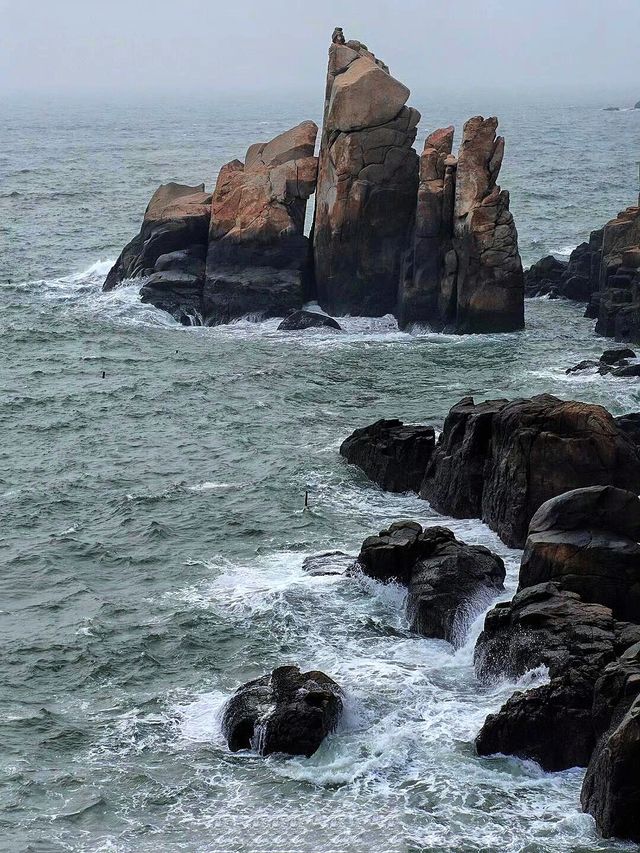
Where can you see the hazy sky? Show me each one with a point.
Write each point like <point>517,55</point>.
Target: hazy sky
<point>208,45</point>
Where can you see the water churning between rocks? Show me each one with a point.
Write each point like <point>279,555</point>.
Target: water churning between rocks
<point>153,525</point>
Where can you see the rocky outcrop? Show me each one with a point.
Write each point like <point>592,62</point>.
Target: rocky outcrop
<point>587,541</point>
<point>463,271</point>
<point>210,258</point>
<point>423,297</point>
<point>576,279</point>
<point>367,183</point>
<point>545,277</point>
<point>300,320</point>
<point>500,461</point>
<point>258,257</point>
<point>329,563</point>
<point>288,711</point>
<point>449,582</point>
<point>391,454</point>
<point>169,250</point>
<point>630,426</point>
<point>545,626</point>
<point>610,362</point>
<point>611,788</point>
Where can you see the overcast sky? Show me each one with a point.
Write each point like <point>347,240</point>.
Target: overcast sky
<point>280,45</point>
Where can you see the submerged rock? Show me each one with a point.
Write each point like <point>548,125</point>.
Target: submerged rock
<point>299,320</point>
<point>449,582</point>
<point>288,711</point>
<point>330,563</point>
<point>391,454</point>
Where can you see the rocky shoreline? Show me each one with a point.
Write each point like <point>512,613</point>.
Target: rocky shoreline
<point>427,238</point>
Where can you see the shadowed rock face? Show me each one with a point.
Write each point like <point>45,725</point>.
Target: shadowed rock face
<point>587,540</point>
<point>611,788</point>
<point>501,461</point>
<point>367,184</point>
<point>449,582</point>
<point>258,257</point>
<point>547,626</point>
<point>463,272</point>
<point>391,454</point>
<point>288,711</point>
<point>171,244</point>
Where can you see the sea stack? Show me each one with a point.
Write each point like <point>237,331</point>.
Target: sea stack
<point>367,183</point>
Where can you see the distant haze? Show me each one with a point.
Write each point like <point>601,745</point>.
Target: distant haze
<point>195,46</point>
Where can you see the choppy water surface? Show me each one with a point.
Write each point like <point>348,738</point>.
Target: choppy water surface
<point>153,530</point>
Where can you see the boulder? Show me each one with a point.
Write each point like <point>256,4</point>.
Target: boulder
<point>258,259</point>
<point>500,461</point>
<point>287,712</point>
<point>545,274</point>
<point>630,426</point>
<point>614,356</point>
<point>300,320</point>
<point>449,582</point>
<point>367,184</point>
<point>587,541</point>
<point>627,370</point>
<point>392,454</point>
<point>176,220</point>
<point>611,788</point>
<point>546,626</point>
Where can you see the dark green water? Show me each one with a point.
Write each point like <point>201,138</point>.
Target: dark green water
<point>153,530</point>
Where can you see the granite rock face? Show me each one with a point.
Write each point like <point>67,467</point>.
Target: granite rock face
<point>449,582</point>
<point>587,541</point>
<point>500,461</point>
<point>367,184</point>
<point>288,711</point>
<point>463,271</point>
<point>172,244</point>
<point>258,258</point>
<point>391,454</point>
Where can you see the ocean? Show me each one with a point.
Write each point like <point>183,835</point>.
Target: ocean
<point>153,524</point>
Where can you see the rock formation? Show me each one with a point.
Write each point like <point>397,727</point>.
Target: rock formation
<point>300,320</point>
<point>605,271</point>
<point>258,256</point>
<point>367,183</point>
<point>170,250</point>
<point>391,454</point>
<point>288,711</point>
<point>464,272</point>
<point>500,460</point>
<point>449,582</point>
<point>611,789</point>
<point>587,541</point>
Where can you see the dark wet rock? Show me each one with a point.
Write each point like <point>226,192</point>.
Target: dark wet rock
<point>546,273</point>
<point>627,370</point>
<point>299,320</point>
<point>367,183</point>
<point>177,293</point>
<point>330,563</point>
<point>545,626</point>
<point>501,460</point>
<point>614,356</point>
<point>587,364</point>
<point>587,541</point>
<point>449,582</point>
<point>630,426</point>
<point>288,711</point>
<point>392,454</point>
<point>611,788</point>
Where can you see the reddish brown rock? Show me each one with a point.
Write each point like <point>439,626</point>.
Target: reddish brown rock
<point>367,184</point>
<point>489,276</point>
<point>258,257</point>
